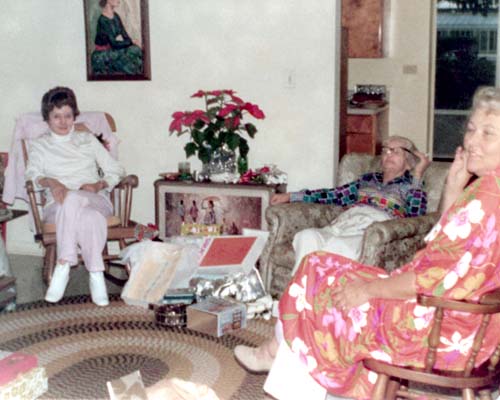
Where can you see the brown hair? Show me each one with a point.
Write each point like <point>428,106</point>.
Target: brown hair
<point>56,98</point>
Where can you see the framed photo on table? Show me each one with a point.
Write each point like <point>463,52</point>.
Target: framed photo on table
<point>231,206</point>
<point>117,40</point>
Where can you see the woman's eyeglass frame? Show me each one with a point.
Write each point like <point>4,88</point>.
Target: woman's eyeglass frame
<point>390,150</point>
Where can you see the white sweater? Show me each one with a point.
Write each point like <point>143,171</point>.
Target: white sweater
<point>73,159</point>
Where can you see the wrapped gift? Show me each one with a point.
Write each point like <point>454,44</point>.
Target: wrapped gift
<point>216,317</point>
<point>29,385</point>
<point>14,364</point>
<point>145,232</point>
<point>194,229</point>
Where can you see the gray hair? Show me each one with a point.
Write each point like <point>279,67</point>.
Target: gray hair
<point>411,158</point>
<point>487,97</point>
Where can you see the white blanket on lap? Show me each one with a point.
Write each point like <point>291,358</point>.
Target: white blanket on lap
<point>343,236</point>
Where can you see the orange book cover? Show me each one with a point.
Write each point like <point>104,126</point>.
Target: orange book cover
<point>222,251</point>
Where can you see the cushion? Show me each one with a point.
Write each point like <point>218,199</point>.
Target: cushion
<point>111,221</point>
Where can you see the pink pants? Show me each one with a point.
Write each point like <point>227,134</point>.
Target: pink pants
<point>81,224</point>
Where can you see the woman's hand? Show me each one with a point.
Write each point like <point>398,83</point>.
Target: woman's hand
<point>279,198</point>
<point>422,164</point>
<point>350,295</point>
<point>58,190</point>
<point>358,292</point>
<point>457,178</point>
<point>93,187</point>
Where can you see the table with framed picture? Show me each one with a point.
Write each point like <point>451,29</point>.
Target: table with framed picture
<point>231,207</point>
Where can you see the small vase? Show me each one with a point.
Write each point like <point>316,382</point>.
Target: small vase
<point>222,161</point>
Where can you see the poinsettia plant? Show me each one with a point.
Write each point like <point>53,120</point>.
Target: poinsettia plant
<point>218,125</point>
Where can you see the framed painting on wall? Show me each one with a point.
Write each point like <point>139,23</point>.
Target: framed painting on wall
<point>117,40</point>
<point>232,207</point>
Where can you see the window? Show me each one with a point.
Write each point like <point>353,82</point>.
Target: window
<point>466,53</point>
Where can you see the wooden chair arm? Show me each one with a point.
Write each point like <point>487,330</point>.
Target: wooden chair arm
<point>129,180</point>
<point>30,189</point>
<point>489,303</point>
<point>492,297</point>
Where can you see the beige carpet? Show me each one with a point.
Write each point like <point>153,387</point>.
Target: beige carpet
<point>82,346</point>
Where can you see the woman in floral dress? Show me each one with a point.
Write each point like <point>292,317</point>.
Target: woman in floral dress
<point>337,312</point>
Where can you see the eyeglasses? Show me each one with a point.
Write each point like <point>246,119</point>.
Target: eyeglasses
<point>396,150</point>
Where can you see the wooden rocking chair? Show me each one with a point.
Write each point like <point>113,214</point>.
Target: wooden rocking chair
<point>392,379</point>
<point>120,227</point>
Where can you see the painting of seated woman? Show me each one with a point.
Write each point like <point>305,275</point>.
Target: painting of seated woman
<point>117,39</point>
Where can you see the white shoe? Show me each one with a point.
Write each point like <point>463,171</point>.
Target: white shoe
<point>58,283</point>
<point>98,290</point>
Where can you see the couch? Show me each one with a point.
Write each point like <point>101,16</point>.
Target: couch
<point>387,244</point>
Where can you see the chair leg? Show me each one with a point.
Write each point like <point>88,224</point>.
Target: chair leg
<point>392,389</point>
<point>49,262</point>
<point>380,387</point>
<point>468,394</point>
<point>485,394</point>
<point>105,252</point>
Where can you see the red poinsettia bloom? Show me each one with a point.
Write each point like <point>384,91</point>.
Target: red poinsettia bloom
<point>221,106</point>
<point>227,110</point>
<point>176,124</point>
<point>254,110</point>
<point>199,93</point>
<point>237,100</point>
<point>187,119</point>
<point>232,123</point>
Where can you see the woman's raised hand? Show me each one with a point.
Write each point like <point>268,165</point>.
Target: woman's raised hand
<point>458,175</point>
<point>279,198</point>
<point>422,164</point>
<point>457,178</point>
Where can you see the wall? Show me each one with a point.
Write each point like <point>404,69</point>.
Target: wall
<point>279,54</point>
<point>408,42</point>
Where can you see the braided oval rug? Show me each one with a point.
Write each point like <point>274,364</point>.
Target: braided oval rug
<point>82,346</point>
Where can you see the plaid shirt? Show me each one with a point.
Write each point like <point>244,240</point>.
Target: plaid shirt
<point>401,197</point>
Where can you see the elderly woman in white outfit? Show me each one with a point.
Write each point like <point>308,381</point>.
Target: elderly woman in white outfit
<point>76,172</point>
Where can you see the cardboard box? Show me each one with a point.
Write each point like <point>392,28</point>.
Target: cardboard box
<point>216,317</point>
<point>27,386</point>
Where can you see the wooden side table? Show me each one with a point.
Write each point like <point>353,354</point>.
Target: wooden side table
<point>232,206</point>
<point>366,130</point>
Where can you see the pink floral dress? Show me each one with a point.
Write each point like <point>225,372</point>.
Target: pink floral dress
<point>461,261</point>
